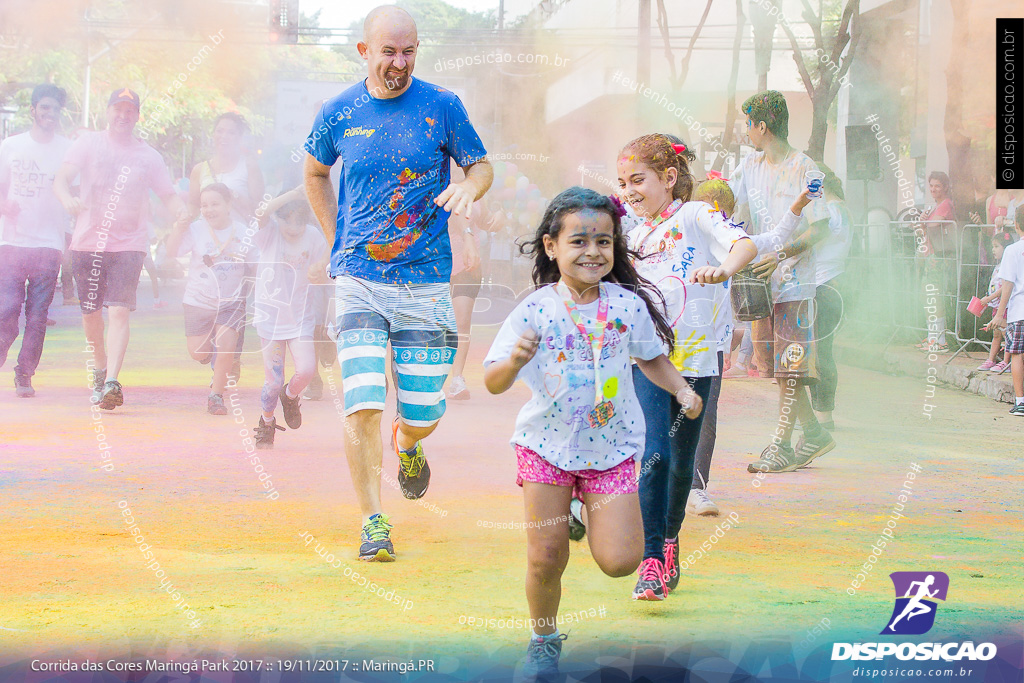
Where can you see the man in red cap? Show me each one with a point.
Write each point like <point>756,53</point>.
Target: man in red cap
<point>110,240</point>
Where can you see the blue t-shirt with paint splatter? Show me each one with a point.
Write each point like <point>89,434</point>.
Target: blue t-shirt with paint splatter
<point>395,156</point>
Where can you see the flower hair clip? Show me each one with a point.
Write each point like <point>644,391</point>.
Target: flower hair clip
<point>679,149</point>
<point>715,175</point>
<point>620,208</point>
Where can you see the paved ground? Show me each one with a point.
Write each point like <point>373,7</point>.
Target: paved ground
<point>73,579</point>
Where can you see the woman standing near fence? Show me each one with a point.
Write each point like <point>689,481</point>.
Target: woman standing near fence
<point>940,258</point>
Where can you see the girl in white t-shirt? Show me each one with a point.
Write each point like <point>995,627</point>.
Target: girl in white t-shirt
<point>682,244</point>
<point>213,303</point>
<point>285,310</point>
<point>583,426</point>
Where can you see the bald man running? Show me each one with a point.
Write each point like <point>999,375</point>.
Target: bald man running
<point>395,136</point>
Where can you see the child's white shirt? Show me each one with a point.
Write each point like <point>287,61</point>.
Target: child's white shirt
<point>694,236</point>
<point>285,301</point>
<point>210,287</point>
<point>1011,269</point>
<point>554,422</point>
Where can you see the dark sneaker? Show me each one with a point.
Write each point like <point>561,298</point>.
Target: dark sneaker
<point>376,540</point>
<point>1017,410</point>
<point>542,657</point>
<point>671,564</point>
<point>775,459</point>
<point>809,448</point>
<point>99,378</point>
<point>651,584</point>
<point>413,470</point>
<point>292,414</point>
<point>315,390</point>
<point>215,405</point>
<point>577,530</point>
<point>264,433</point>
<point>112,395</point>
<point>23,386</point>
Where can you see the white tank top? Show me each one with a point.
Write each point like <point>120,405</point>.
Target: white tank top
<point>237,179</point>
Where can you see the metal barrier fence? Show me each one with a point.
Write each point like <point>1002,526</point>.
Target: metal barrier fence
<point>902,273</point>
<point>888,283</point>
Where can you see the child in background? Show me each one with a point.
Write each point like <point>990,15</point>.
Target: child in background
<point>1011,309</point>
<point>1000,241</point>
<point>716,192</point>
<point>213,303</point>
<point>583,426</point>
<point>285,312</point>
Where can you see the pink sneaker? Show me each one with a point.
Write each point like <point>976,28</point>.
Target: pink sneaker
<point>986,366</point>
<point>651,584</point>
<point>999,367</point>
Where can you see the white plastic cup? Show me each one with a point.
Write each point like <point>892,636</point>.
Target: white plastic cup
<point>815,180</point>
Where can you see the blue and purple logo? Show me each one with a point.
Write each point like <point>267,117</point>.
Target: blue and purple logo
<point>916,593</point>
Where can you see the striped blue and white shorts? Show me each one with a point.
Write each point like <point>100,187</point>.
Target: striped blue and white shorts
<point>419,321</point>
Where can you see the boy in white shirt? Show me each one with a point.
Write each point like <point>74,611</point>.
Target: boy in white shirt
<point>1011,310</point>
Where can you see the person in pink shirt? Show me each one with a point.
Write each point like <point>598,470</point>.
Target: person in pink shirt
<point>117,171</point>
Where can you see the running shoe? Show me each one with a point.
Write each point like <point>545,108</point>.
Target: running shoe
<point>577,530</point>
<point>542,656</point>
<point>809,448</point>
<point>413,470</point>
<point>290,406</point>
<point>458,391</point>
<point>775,459</point>
<point>986,366</point>
<point>651,584</point>
<point>112,395</point>
<point>698,503</point>
<point>1000,367</point>
<point>99,378</point>
<point>315,390</point>
<point>671,564</point>
<point>23,386</point>
<point>215,405</point>
<point>1017,410</point>
<point>264,433</point>
<point>376,540</point>
<point>737,371</point>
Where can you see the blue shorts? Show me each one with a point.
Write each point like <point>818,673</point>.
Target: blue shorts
<point>419,321</point>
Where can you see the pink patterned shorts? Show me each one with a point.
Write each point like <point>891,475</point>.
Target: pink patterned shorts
<point>619,479</point>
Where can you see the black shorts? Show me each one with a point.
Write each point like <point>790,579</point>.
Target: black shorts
<point>106,278</point>
<point>467,283</point>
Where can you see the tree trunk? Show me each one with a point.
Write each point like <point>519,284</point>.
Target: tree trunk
<point>820,104</point>
<point>730,106</point>
<point>958,145</point>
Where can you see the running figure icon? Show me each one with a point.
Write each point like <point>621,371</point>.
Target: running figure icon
<point>916,606</point>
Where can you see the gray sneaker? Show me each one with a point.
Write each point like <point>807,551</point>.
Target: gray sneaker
<point>542,658</point>
<point>775,459</point>
<point>1018,410</point>
<point>112,395</point>
<point>815,447</point>
<point>99,378</point>
<point>23,386</point>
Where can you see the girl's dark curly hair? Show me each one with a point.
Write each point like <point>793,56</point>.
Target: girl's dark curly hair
<point>545,270</point>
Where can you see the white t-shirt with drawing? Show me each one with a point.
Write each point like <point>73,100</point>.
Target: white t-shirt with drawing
<point>218,264</point>
<point>560,422</point>
<point>285,301</point>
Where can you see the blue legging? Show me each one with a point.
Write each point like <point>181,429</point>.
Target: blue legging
<point>667,466</point>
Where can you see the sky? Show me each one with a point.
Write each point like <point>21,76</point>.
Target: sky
<point>339,14</point>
